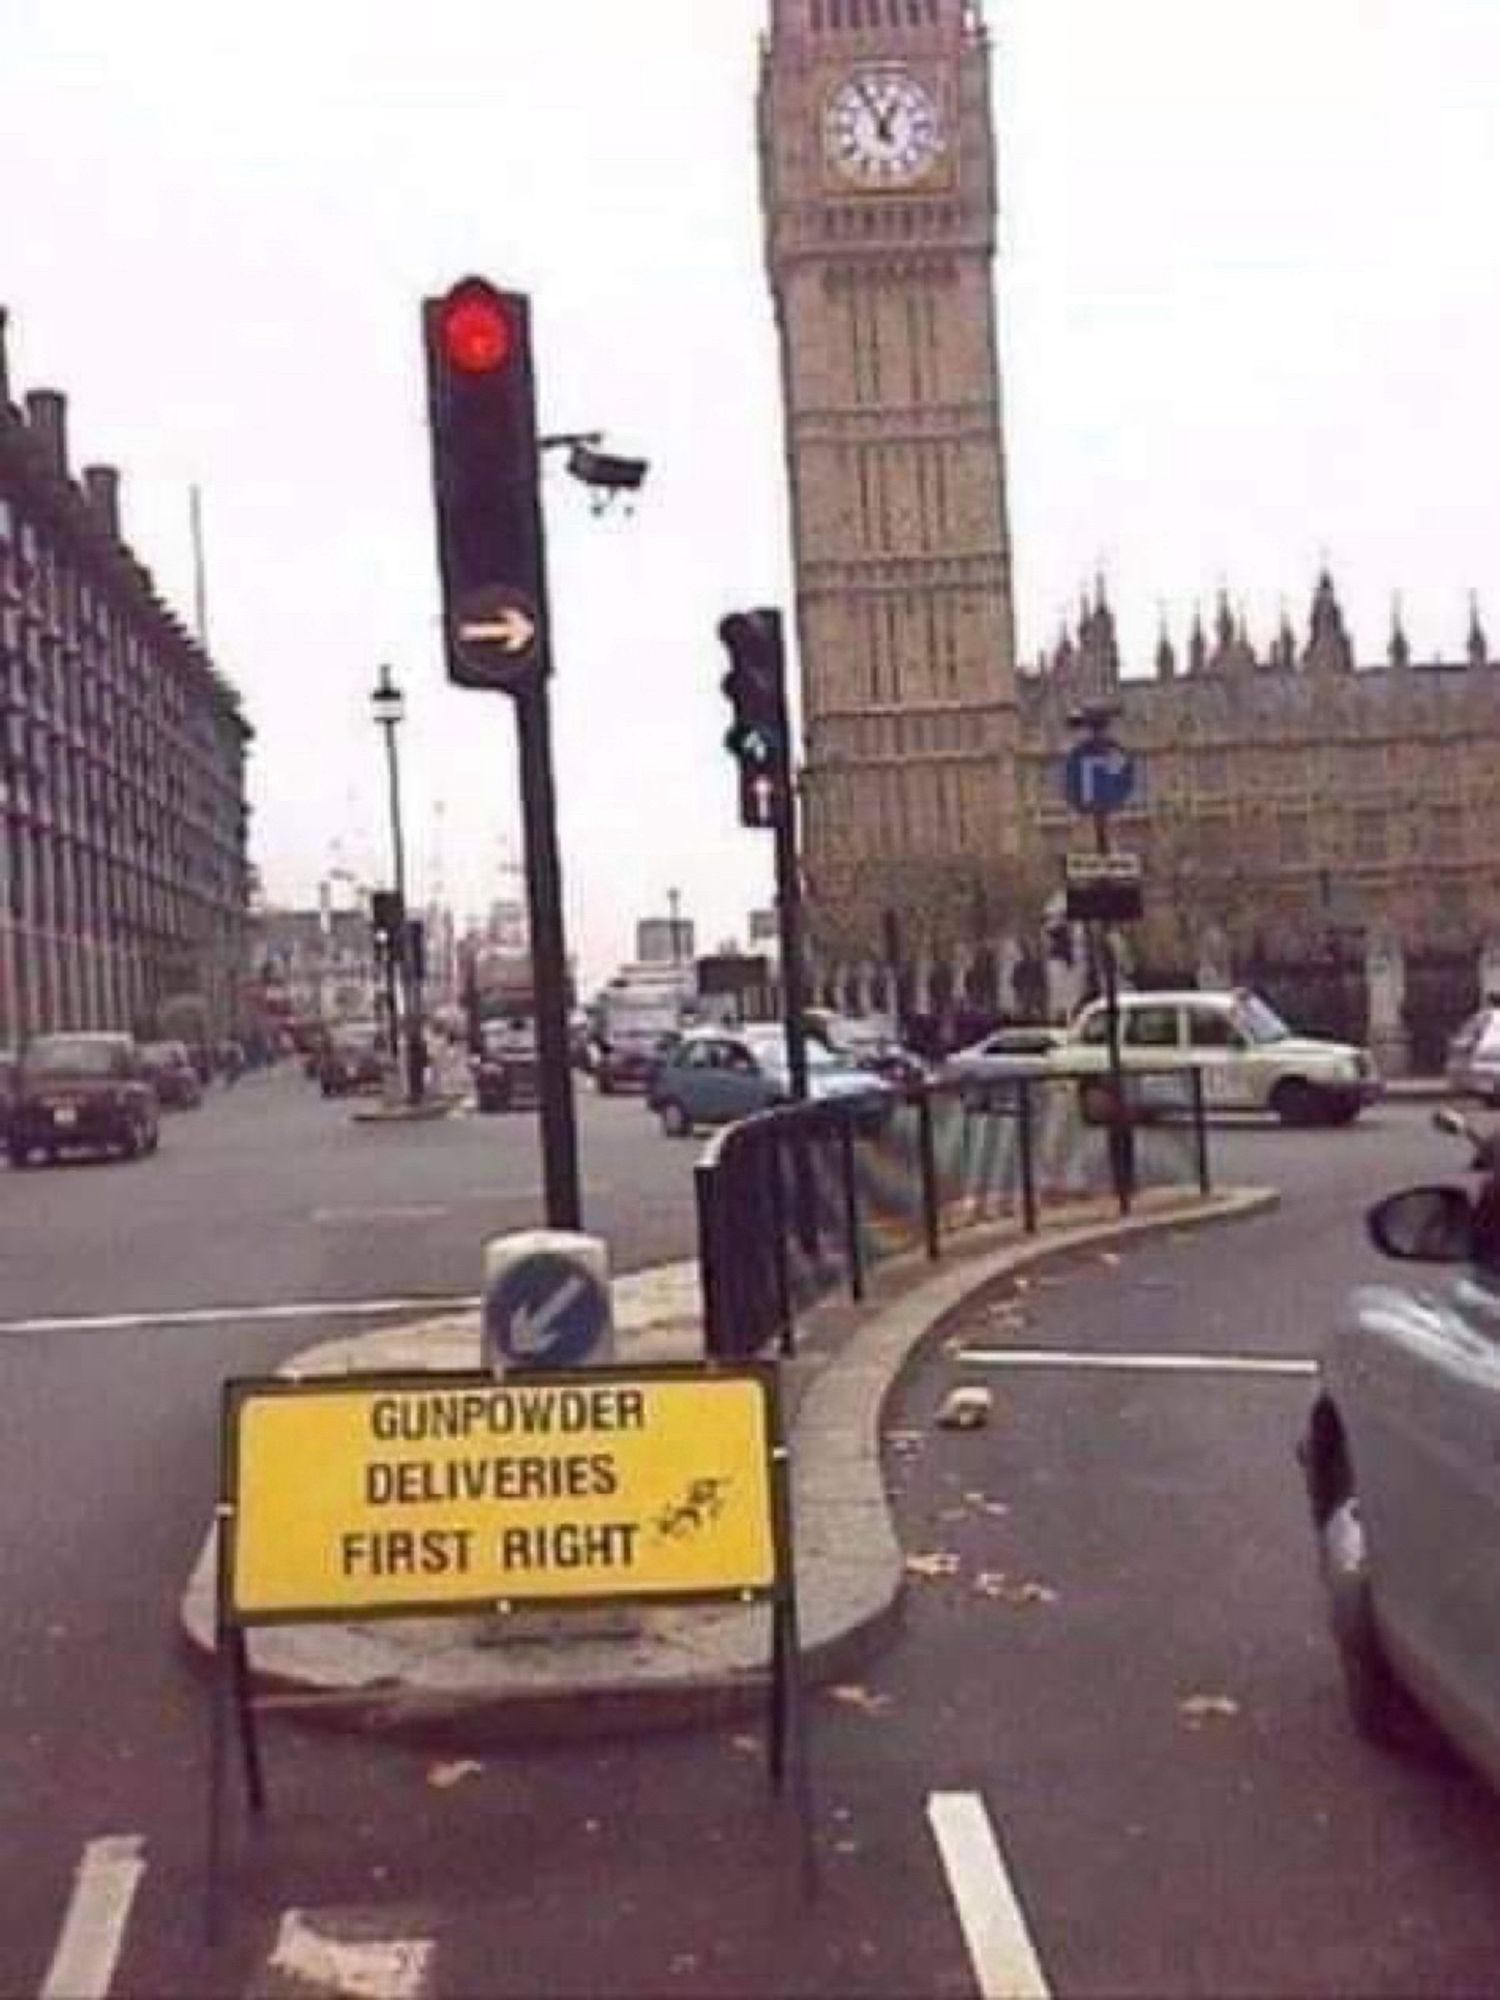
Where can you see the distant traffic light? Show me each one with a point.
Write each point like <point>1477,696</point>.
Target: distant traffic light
<point>385,915</point>
<point>755,686</point>
<point>481,400</point>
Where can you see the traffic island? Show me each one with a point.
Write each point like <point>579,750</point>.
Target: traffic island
<point>444,1680</point>
<point>441,1106</point>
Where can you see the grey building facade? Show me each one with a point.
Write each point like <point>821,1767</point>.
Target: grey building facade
<point>123,817</point>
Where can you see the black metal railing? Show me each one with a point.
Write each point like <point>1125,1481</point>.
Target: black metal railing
<point>797,1204</point>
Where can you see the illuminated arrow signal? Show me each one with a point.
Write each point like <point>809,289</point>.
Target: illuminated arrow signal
<point>763,791</point>
<point>511,629</point>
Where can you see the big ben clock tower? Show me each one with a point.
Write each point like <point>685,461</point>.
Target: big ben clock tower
<point>878,179</point>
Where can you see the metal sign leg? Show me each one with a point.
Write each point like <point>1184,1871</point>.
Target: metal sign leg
<point>239,1658</point>
<point>220,1696</point>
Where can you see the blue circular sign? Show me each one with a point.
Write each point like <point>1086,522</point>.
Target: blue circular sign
<point>545,1312</point>
<point>1098,776</point>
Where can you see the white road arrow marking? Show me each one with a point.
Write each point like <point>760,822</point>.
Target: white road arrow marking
<point>530,1326</point>
<point>509,629</point>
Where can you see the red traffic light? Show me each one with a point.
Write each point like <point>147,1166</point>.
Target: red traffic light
<point>475,330</point>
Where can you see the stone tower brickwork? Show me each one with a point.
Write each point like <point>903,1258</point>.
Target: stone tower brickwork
<point>879,189</point>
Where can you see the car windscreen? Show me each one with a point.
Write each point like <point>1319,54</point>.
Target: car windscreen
<point>771,1054</point>
<point>1259,1021</point>
<point>72,1055</point>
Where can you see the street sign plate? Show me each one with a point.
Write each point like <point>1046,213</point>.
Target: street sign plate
<point>1098,776</point>
<point>1087,869</point>
<point>430,1492</point>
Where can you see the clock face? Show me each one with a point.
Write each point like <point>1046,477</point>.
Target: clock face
<point>882,128</point>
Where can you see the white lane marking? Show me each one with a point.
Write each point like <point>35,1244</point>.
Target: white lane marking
<point>411,1212</point>
<point>1161,1364</point>
<point>94,1929</point>
<point>366,1968</point>
<point>226,1315</point>
<point>1001,1952</point>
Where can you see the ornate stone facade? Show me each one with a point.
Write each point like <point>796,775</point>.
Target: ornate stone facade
<point>1329,829</point>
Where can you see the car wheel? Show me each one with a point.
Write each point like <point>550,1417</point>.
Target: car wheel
<point>1379,1707</point>
<point>1295,1102</point>
<point>675,1121</point>
<point>604,1084</point>
<point>20,1155</point>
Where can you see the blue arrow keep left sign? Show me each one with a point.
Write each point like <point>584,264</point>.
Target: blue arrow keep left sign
<point>545,1311</point>
<point>1098,776</point>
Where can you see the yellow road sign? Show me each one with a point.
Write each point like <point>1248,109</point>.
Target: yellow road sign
<point>438,1492</point>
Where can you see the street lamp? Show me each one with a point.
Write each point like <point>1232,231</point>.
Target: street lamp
<point>388,706</point>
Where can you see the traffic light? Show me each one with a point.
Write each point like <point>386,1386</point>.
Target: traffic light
<point>758,736</point>
<point>385,916</point>
<point>481,401</point>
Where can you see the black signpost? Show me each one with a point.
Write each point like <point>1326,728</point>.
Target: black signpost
<point>1099,779</point>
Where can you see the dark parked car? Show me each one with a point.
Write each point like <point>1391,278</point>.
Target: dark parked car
<point>507,1076</point>
<point>82,1093</point>
<point>172,1070</point>
<point>352,1059</point>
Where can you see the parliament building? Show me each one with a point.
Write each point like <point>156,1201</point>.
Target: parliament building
<point>1313,822</point>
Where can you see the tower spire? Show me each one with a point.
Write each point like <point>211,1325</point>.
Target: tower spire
<point>1478,642</point>
<point>1399,650</point>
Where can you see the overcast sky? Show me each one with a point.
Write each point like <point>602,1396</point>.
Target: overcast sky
<point>1250,311</point>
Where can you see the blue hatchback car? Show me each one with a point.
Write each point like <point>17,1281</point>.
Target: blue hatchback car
<point>716,1075</point>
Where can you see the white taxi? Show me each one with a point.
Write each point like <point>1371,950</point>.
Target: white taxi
<point>1250,1060</point>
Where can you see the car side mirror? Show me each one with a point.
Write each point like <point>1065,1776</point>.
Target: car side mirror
<point>1424,1225</point>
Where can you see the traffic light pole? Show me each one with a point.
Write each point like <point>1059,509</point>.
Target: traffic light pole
<point>789,925</point>
<point>549,966</point>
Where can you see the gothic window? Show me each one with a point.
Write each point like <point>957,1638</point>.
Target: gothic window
<point>941,495</point>
<point>1369,836</point>
<point>1446,832</point>
<point>924,499</point>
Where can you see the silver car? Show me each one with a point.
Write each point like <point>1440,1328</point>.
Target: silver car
<point>1473,1064</point>
<point>987,1070</point>
<point>1402,1472</point>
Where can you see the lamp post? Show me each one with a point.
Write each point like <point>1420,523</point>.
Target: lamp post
<point>388,705</point>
